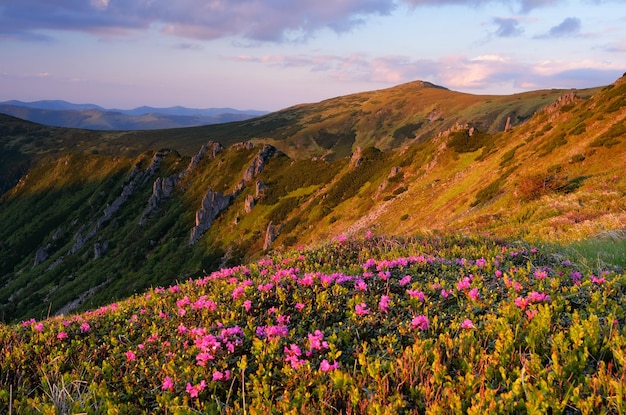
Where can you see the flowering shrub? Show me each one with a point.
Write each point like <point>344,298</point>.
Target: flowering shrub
<point>356,326</point>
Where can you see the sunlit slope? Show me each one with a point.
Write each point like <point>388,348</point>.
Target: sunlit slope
<point>86,225</point>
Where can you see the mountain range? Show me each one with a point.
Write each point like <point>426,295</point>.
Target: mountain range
<point>93,117</point>
<point>90,217</point>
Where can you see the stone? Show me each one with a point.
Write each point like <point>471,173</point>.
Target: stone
<point>212,204</point>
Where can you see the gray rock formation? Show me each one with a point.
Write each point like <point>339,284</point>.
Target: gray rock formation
<point>248,203</point>
<point>212,204</point>
<point>257,165</point>
<point>270,236</point>
<point>260,189</point>
<point>41,255</point>
<point>99,249</point>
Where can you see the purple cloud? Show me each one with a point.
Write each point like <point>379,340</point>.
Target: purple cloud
<point>456,72</point>
<point>507,27</point>
<point>568,27</point>
<point>523,5</point>
<point>266,20</point>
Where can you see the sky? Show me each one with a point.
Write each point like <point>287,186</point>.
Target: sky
<point>272,54</point>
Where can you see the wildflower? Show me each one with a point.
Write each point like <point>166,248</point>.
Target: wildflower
<point>360,285</point>
<point>383,304</point>
<point>420,322</point>
<point>84,328</point>
<point>247,305</point>
<point>481,262</point>
<point>168,384</point>
<point>325,366</point>
<point>445,294</point>
<point>221,376</point>
<point>195,390</point>
<point>467,324</point>
<point>299,306</point>
<point>597,280</point>
<point>464,284</point>
<point>405,280</point>
<point>316,341</point>
<point>530,314</point>
<point>521,302</point>
<point>293,354</point>
<point>130,356</point>
<point>38,327</point>
<point>203,357</point>
<point>62,335</point>
<point>182,329</point>
<point>498,273</point>
<point>576,277</point>
<point>541,274</point>
<point>474,294</point>
<point>361,309</point>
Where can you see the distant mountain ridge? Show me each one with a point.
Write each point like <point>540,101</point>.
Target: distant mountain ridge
<point>58,113</point>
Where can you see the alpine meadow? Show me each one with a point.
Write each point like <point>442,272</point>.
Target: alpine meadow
<point>401,251</point>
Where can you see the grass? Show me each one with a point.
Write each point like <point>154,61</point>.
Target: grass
<point>598,253</point>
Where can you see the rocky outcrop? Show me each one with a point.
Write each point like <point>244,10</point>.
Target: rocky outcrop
<point>134,179</point>
<point>164,187</point>
<point>569,98</point>
<point>212,204</point>
<point>271,233</point>
<point>41,255</point>
<point>394,172</point>
<point>248,203</point>
<point>212,148</point>
<point>260,190</point>
<point>357,157</point>
<point>257,165</point>
<point>100,248</point>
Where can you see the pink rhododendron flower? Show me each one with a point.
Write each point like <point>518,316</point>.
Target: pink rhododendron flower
<point>498,273</point>
<point>530,314</point>
<point>597,280</point>
<point>464,284</point>
<point>168,384</point>
<point>299,306</point>
<point>467,324</point>
<point>405,280</point>
<point>474,294</point>
<point>361,309</point>
<point>420,322</point>
<point>62,335</point>
<point>221,376</point>
<point>383,304</point>
<point>360,285</point>
<point>325,366</point>
<point>292,356</point>
<point>247,305</point>
<point>445,294</point>
<point>130,356</point>
<point>84,328</point>
<point>38,327</point>
<point>521,302</point>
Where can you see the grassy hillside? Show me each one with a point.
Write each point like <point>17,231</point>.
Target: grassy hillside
<point>375,325</point>
<point>90,218</point>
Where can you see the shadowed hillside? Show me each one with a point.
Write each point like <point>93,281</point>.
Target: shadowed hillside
<point>92,217</point>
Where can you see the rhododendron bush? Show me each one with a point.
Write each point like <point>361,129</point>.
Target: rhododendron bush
<point>375,325</point>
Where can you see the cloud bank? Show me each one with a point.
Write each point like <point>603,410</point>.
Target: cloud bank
<point>261,20</point>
